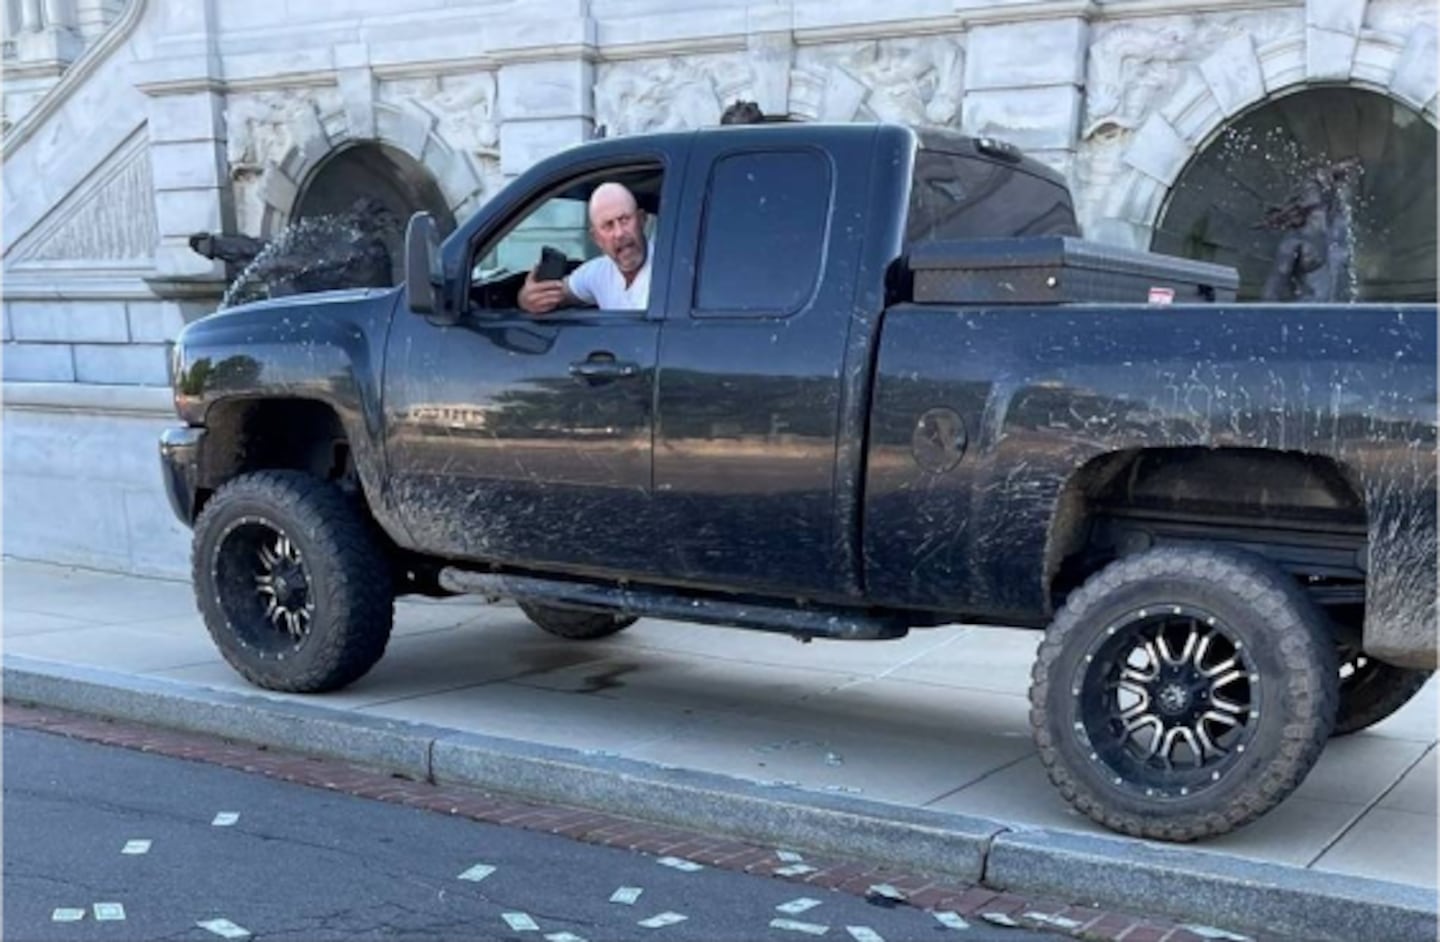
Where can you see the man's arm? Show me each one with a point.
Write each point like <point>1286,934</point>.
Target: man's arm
<point>542,297</point>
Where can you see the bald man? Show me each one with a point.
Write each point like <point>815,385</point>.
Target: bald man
<point>618,280</point>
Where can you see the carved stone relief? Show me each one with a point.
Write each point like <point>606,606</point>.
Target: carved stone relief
<point>1134,68</point>
<point>464,107</point>
<point>1135,65</point>
<point>111,217</point>
<point>261,128</point>
<point>911,81</point>
<point>674,94</point>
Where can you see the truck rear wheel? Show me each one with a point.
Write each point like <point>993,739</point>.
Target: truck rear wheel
<point>1371,690</point>
<point>290,580</point>
<point>574,623</point>
<point>1183,692</point>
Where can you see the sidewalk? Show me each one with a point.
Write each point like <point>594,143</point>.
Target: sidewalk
<point>936,722</point>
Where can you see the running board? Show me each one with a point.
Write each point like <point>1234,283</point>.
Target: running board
<point>804,623</point>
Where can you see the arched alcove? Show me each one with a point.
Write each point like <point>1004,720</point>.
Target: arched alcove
<point>380,172</point>
<point>1245,197</point>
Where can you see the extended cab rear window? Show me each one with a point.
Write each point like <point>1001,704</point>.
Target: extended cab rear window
<point>963,196</point>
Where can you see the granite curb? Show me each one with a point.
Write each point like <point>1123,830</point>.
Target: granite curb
<point>1182,882</point>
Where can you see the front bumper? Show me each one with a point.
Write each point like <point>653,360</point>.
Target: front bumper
<point>179,465</point>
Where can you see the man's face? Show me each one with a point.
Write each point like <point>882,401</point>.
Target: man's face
<point>618,227</point>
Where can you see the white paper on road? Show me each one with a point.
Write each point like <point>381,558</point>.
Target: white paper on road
<point>224,928</point>
<point>1059,921</point>
<point>1210,932</point>
<point>952,920</point>
<point>790,925</point>
<point>797,906</point>
<point>627,895</point>
<point>663,920</point>
<point>136,847</point>
<point>999,919</point>
<point>477,873</point>
<point>795,870</point>
<point>789,856</point>
<point>109,912</point>
<point>67,915</point>
<point>563,937</point>
<point>677,863</point>
<point>225,818</point>
<point>864,934</point>
<point>520,922</point>
<point>887,891</point>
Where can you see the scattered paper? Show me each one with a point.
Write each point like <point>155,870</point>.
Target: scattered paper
<point>627,895</point>
<point>795,870</point>
<point>797,906</point>
<point>225,818</point>
<point>789,856</point>
<point>136,847</point>
<point>224,928</point>
<point>1058,921</point>
<point>1210,932</point>
<point>952,920</point>
<point>520,922</point>
<point>790,925</point>
<point>689,866</point>
<point>109,912</point>
<point>477,873</point>
<point>864,934</point>
<point>563,937</point>
<point>887,891</point>
<point>663,920</point>
<point>67,915</point>
<point>999,919</point>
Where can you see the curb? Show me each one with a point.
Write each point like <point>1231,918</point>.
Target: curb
<point>1183,883</point>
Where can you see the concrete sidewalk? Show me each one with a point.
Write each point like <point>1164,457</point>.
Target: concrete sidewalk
<point>928,731</point>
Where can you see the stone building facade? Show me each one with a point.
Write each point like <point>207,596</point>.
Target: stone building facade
<point>131,125</point>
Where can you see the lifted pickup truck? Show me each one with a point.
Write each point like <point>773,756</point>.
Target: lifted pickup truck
<point>880,384</point>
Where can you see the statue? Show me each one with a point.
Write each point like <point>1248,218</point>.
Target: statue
<point>353,249</point>
<point>1314,258</point>
<point>748,112</point>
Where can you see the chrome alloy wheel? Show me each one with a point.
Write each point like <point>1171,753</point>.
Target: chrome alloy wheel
<point>1169,700</point>
<point>264,586</point>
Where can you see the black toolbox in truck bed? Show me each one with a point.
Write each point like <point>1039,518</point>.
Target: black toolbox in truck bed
<point>1060,269</point>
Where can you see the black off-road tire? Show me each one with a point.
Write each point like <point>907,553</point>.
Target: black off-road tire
<point>1371,690</point>
<point>1247,621</point>
<point>338,601</point>
<point>574,623</point>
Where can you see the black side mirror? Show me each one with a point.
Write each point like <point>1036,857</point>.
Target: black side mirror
<point>424,280</point>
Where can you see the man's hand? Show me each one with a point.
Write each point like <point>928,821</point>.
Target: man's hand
<point>541,297</point>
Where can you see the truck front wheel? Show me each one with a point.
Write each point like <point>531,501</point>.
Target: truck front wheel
<point>1183,692</point>
<point>291,582</point>
<point>574,623</point>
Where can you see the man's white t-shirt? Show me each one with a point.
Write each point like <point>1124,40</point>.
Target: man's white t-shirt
<point>600,283</point>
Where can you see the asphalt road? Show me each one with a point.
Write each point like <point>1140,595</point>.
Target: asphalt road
<point>303,864</point>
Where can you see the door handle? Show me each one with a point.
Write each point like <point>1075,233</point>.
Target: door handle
<point>604,369</point>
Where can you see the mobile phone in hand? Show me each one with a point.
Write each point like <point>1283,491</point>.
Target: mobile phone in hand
<point>553,265</point>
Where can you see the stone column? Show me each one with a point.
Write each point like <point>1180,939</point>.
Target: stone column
<point>546,85</point>
<point>46,33</point>
<point>1023,84</point>
<point>187,150</point>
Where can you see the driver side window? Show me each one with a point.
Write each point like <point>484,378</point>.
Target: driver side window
<point>559,222</point>
<point>554,236</point>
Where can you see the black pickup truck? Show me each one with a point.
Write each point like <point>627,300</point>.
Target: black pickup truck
<point>880,384</point>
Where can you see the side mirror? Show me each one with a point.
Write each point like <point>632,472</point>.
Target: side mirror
<point>424,280</point>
